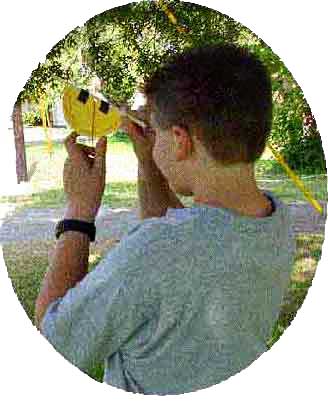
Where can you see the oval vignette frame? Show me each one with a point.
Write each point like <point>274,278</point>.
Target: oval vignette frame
<point>287,345</point>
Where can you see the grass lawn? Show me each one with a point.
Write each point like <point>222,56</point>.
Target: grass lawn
<point>27,269</point>
<point>46,171</point>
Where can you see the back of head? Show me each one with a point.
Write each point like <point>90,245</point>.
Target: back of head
<point>223,92</point>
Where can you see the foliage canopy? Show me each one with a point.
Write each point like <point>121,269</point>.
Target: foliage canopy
<point>124,45</point>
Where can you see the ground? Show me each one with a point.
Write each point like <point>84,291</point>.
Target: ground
<point>113,223</point>
<point>27,222</point>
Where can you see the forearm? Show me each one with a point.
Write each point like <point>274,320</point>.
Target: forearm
<point>67,266</point>
<point>155,195</point>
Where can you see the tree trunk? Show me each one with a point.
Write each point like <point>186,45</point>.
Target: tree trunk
<point>21,167</point>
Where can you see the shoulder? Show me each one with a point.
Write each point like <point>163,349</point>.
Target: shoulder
<point>148,230</point>
<point>140,247</point>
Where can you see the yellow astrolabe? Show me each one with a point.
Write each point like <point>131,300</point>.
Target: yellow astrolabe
<point>88,115</point>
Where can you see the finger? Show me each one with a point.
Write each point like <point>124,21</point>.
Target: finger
<point>70,142</point>
<point>78,150</point>
<point>135,130</point>
<point>74,149</point>
<point>100,155</point>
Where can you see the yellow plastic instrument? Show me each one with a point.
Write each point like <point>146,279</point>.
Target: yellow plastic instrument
<point>89,115</point>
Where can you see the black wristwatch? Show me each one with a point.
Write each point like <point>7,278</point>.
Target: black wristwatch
<point>76,225</point>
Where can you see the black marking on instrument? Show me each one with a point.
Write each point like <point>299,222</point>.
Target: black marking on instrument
<point>104,107</point>
<point>83,96</point>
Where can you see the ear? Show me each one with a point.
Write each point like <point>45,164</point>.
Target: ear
<point>183,142</point>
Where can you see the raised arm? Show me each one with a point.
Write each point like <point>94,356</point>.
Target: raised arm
<point>84,184</point>
<point>155,195</point>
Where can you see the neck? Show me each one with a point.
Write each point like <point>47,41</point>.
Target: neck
<point>237,192</point>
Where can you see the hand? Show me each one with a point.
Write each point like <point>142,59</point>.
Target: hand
<point>84,178</point>
<point>143,141</point>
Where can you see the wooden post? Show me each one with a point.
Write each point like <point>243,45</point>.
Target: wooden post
<point>21,167</point>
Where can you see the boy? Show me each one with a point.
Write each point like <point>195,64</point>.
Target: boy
<point>191,295</point>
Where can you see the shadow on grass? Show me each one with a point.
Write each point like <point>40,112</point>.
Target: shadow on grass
<point>124,194</point>
<point>269,168</point>
<point>32,170</point>
<point>271,176</point>
<point>27,268</point>
<point>116,195</point>
<point>308,246</point>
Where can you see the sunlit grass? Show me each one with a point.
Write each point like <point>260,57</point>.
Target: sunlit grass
<point>27,263</point>
<point>121,179</point>
<point>309,247</point>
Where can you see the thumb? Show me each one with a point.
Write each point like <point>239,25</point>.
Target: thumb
<point>100,157</point>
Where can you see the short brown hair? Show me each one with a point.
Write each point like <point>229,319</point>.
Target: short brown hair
<point>222,90</point>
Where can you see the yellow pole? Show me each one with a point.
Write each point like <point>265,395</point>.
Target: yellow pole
<point>45,124</point>
<point>297,181</point>
<point>93,121</point>
<point>49,132</point>
<point>171,16</point>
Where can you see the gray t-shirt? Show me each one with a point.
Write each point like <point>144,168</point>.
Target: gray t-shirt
<point>181,303</point>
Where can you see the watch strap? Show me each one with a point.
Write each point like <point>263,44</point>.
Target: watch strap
<point>76,225</point>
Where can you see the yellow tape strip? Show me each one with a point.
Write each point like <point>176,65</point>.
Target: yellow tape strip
<point>173,19</point>
<point>93,120</point>
<point>297,181</point>
<point>46,124</point>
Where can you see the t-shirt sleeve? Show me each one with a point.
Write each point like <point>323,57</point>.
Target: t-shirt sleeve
<point>101,313</point>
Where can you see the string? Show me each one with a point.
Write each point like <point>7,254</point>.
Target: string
<point>46,124</point>
<point>93,121</point>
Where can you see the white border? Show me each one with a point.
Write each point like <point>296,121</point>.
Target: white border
<point>294,370</point>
